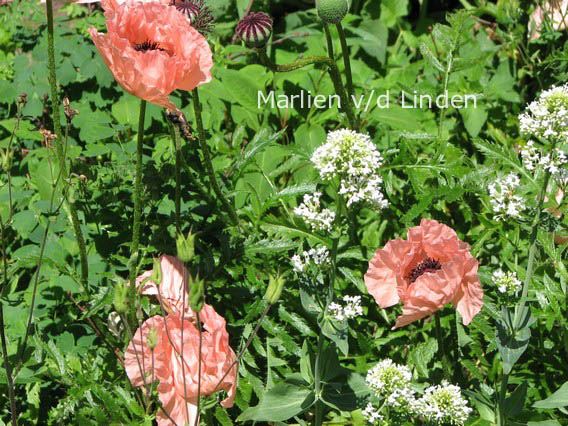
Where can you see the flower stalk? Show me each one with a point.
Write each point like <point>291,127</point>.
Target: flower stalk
<point>207,157</point>
<point>346,60</point>
<point>60,149</point>
<point>137,207</point>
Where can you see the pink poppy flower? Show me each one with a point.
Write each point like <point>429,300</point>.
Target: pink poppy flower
<point>425,272</point>
<point>556,11</point>
<point>167,360</point>
<point>172,289</point>
<point>152,50</point>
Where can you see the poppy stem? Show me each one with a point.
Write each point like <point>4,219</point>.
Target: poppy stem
<point>347,101</point>
<point>178,179</point>
<point>207,157</point>
<point>441,349</point>
<point>133,261</point>
<point>199,371</point>
<point>11,394</point>
<point>346,60</point>
<point>60,149</point>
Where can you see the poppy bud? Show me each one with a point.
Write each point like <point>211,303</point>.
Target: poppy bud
<point>152,338</point>
<point>332,11</point>
<point>185,247</point>
<point>255,29</point>
<point>196,294</point>
<point>274,290</point>
<point>120,301</point>
<point>157,272</point>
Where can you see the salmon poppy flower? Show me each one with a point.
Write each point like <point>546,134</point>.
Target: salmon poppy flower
<point>174,286</point>
<point>429,269</point>
<point>151,51</point>
<point>165,363</point>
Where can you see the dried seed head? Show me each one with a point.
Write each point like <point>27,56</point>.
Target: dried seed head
<point>48,137</point>
<point>69,111</point>
<point>255,29</point>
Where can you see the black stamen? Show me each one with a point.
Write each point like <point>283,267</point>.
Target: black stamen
<point>427,265</point>
<point>147,45</point>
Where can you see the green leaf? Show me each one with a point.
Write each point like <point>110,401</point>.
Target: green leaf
<point>512,344</point>
<point>283,401</point>
<point>514,404</point>
<point>474,119</point>
<point>349,394</point>
<point>429,56</point>
<point>558,399</point>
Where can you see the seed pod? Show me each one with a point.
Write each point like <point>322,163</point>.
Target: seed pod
<point>152,338</point>
<point>274,290</point>
<point>196,294</point>
<point>185,247</point>
<point>120,300</point>
<point>255,29</point>
<point>332,11</point>
<point>157,272</point>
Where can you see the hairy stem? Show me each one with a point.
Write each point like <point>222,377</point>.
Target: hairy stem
<point>207,157</point>
<point>11,394</point>
<point>442,349</point>
<point>137,208</point>
<point>199,370</point>
<point>60,150</point>
<point>346,60</point>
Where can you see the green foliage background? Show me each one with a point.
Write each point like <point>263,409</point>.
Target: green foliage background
<point>69,375</point>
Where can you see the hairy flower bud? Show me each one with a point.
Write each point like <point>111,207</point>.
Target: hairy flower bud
<point>274,290</point>
<point>196,293</point>
<point>152,338</point>
<point>157,271</point>
<point>255,29</point>
<point>332,11</point>
<point>120,301</point>
<point>185,247</point>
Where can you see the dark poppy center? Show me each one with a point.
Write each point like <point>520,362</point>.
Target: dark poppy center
<point>147,45</point>
<point>427,265</point>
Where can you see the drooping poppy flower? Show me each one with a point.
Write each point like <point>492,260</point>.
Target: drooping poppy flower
<point>428,270</point>
<point>174,286</point>
<point>179,396</point>
<point>152,50</point>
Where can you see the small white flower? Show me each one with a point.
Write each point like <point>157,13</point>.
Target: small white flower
<point>372,414</point>
<point>310,210</point>
<point>355,160</point>
<point>386,377</point>
<point>547,117</point>
<point>352,308</point>
<point>506,282</point>
<point>317,257</point>
<point>444,404</point>
<point>503,199</point>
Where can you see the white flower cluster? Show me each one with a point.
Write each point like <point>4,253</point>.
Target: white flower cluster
<point>355,160</point>
<point>372,414</point>
<point>553,162</point>
<point>318,257</point>
<point>310,210</point>
<point>444,404</point>
<point>547,117</point>
<point>506,282</point>
<point>503,199</point>
<point>387,377</point>
<point>351,309</point>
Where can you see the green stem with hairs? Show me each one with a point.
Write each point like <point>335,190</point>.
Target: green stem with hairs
<point>60,147</point>
<point>207,157</point>
<point>11,394</point>
<point>346,60</point>
<point>133,261</point>
<point>442,349</point>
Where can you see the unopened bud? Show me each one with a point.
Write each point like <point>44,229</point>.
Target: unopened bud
<point>152,338</point>
<point>332,11</point>
<point>274,290</point>
<point>120,301</point>
<point>115,325</point>
<point>157,272</point>
<point>196,294</point>
<point>185,247</point>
